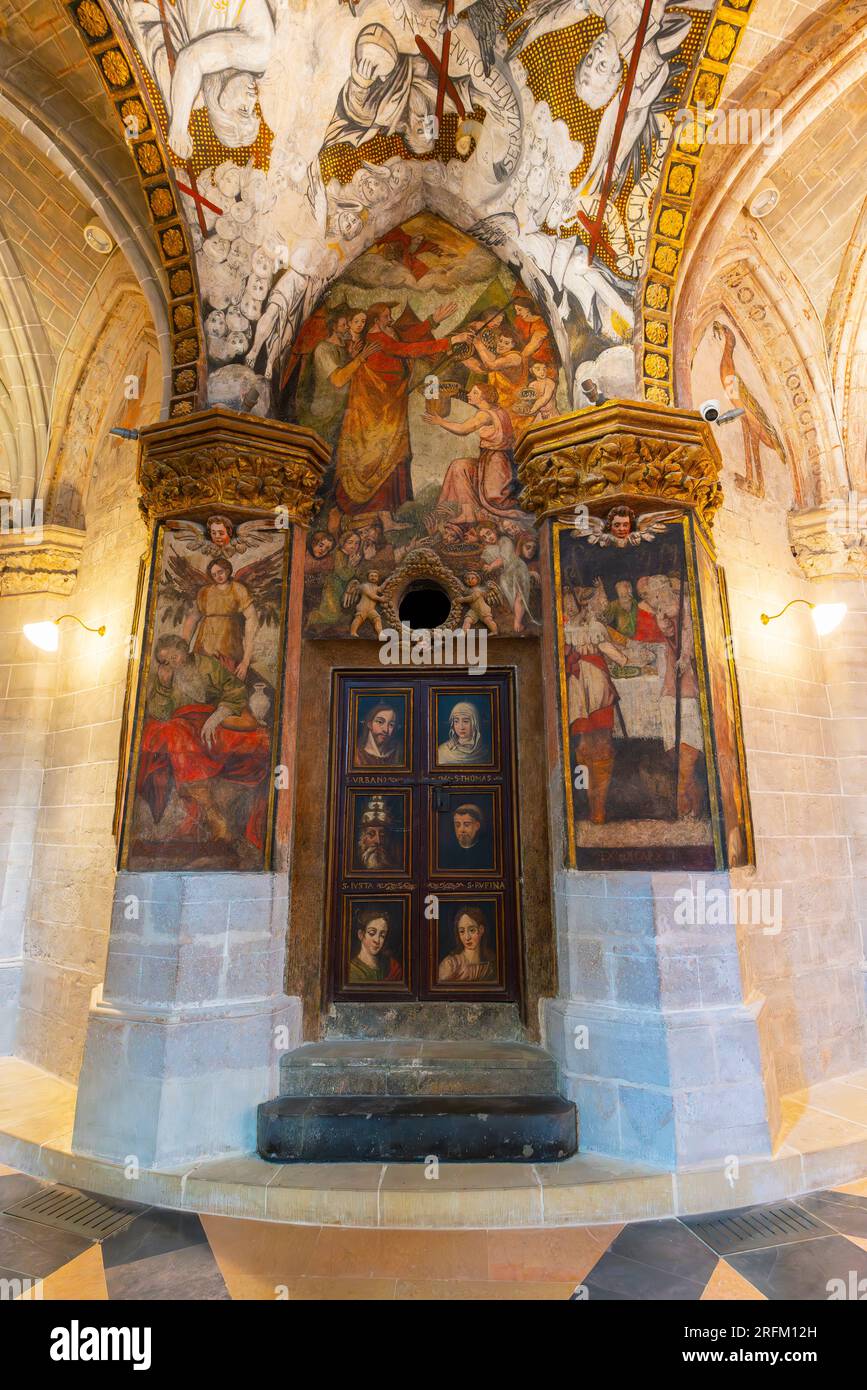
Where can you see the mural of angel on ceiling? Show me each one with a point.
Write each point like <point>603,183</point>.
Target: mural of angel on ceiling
<point>303,132</point>
<point>201,787</point>
<point>421,366</point>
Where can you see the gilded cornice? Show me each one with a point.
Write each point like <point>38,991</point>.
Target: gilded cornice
<point>221,458</point>
<point>620,450</point>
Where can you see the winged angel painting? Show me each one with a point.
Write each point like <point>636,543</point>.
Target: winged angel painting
<point>304,132</point>
<point>205,738</point>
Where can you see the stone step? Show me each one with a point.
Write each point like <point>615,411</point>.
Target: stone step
<point>422,1019</point>
<point>420,1067</point>
<point>402,1129</point>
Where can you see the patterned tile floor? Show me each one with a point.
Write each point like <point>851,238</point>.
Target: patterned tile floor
<point>786,1250</point>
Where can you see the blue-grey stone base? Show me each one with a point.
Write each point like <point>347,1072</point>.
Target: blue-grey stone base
<point>657,1044</point>
<point>186,1039</point>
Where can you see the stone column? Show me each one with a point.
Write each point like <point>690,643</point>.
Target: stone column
<point>657,1033</point>
<point>184,1038</point>
<point>37,574</point>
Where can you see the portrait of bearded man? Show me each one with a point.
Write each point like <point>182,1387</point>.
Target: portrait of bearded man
<point>378,839</point>
<point>379,742</point>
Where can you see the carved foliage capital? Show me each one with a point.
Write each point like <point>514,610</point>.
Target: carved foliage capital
<point>218,458</point>
<point>622,464</point>
<point>616,452</point>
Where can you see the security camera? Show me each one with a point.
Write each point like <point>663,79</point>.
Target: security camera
<point>710,411</point>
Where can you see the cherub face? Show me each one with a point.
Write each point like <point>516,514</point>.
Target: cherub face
<point>215,323</point>
<point>261,264</point>
<point>216,249</point>
<point>373,576</point>
<point>256,286</point>
<point>227,177</point>
<point>349,225</point>
<point>250,308</point>
<point>538,371</point>
<point>236,343</point>
<point>239,255</point>
<point>486,535</point>
<point>598,76</point>
<point>235,321</point>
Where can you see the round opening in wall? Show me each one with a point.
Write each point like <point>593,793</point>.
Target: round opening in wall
<point>424,604</point>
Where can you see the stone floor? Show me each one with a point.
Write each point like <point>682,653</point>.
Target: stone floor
<point>822,1144</point>
<point>794,1251</point>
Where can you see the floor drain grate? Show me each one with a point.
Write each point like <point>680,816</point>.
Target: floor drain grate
<point>756,1227</point>
<point>67,1209</point>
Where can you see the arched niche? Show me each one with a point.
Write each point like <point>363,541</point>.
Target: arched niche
<point>420,366</point>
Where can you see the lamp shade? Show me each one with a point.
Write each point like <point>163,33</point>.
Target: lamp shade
<point>827,616</point>
<point>43,635</point>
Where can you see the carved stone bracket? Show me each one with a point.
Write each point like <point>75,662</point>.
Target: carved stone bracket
<point>622,449</point>
<point>48,566</point>
<point>221,457</point>
<point>832,539</point>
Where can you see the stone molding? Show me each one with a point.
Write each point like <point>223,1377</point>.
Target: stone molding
<point>620,450</point>
<point>49,566</point>
<point>221,458</point>
<point>831,540</point>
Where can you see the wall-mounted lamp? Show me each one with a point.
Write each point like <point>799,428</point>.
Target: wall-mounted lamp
<point>826,616</point>
<point>46,636</point>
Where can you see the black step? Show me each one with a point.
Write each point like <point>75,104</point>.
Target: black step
<point>410,1129</point>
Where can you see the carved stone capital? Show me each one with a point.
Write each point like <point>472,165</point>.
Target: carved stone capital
<point>47,566</point>
<point>831,539</point>
<point>618,451</point>
<point>222,458</point>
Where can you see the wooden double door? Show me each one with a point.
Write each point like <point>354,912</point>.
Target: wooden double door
<point>423,870</point>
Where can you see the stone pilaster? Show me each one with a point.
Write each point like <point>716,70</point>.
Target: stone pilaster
<point>184,1038</point>
<point>659,1044</point>
<point>38,568</point>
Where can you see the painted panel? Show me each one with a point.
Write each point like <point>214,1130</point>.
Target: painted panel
<point>201,788</point>
<point>637,743</point>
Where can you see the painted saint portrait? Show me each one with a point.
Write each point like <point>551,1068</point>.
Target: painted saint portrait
<point>466,835</point>
<point>380,733</point>
<point>471,945</point>
<point>463,731</point>
<point>631,692</point>
<point>376,946</point>
<point>379,833</point>
<point>200,793</point>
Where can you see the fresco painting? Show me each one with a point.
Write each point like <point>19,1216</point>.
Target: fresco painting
<point>725,368</point>
<point>303,134</point>
<point>421,366</point>
<point>636,736</point>
<point>200,792</point>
